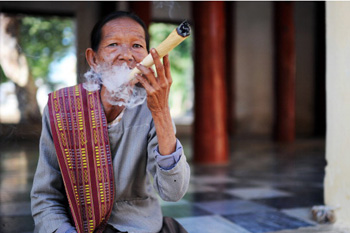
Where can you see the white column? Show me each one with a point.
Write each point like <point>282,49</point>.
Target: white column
<point>337,180</point>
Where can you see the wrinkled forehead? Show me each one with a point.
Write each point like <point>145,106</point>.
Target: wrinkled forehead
<point>123,25</point>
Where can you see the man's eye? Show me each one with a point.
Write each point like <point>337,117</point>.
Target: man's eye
<point>112,45</point>
<point>137,46</point>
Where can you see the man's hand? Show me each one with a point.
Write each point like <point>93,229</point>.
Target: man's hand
<point>158,87</point>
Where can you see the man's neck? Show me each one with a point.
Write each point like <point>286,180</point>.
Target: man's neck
<point>111,111</point>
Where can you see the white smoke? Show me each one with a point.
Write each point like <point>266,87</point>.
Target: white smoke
<point>166,5</point>
<point>116,80</point>
<point>93,81</point>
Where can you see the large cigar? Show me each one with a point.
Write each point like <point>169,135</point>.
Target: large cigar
<point>178,35</point>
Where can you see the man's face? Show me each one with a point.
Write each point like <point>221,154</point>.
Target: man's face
<point>122,41</point>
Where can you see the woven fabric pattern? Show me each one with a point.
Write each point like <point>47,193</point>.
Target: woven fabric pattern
<point>80,134</point>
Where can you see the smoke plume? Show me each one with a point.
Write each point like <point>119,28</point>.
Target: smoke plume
<point>116,80</point>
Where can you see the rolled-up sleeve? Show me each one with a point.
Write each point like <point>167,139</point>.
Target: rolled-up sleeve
<point>167,162</point>
<point>171,173</point>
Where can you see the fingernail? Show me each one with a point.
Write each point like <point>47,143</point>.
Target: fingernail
<point>153,51</point>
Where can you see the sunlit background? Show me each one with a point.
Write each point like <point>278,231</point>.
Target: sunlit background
<point>181,94</point>
<point>41,53</point>
<point>49,48</point>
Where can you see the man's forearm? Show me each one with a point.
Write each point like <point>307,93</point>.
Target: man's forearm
<point>165,132</point>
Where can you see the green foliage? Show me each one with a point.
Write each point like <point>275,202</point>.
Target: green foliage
<point>181,67</point>
<point>44,40</point>
<point>3,77</point>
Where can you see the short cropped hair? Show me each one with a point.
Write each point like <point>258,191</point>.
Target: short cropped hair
<point>96,32</point>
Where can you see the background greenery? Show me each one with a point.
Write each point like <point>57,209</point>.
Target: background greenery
<point>181,95</point>
<point>44,40</point>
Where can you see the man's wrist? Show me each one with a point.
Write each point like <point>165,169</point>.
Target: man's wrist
<point>161,113</point>
<point>165,132</point>
<point>167,162</point>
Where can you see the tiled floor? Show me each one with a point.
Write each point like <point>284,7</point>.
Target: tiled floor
<point>265,188</point>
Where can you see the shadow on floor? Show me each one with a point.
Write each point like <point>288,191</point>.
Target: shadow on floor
<point>266,187</point>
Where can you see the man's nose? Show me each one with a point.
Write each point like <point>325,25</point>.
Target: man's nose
<point>125,53</point>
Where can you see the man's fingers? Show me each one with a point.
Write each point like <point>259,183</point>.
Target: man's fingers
<point>148,73</point>
<point>163,78</point>
<point>133,81</point>
<point>166,63</point>
<point>159,67</point>
<point>145,83</point>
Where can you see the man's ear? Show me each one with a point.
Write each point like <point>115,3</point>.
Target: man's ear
<point>90,56</point>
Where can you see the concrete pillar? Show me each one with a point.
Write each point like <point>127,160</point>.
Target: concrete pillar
<point>210,125</point>
<point>337,181</point>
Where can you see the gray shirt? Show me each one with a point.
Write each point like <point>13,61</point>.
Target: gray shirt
<point>139,171</point>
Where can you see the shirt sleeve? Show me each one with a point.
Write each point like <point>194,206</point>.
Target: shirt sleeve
<point>66,228</point>
<point>49,204</point>
<point>168,162</point>
<point>170,183</point>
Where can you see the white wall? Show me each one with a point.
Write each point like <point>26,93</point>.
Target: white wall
<point>337,181</point>
<point>254,68</point>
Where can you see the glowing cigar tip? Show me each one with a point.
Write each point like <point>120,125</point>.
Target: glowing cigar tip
<point>184,29</point>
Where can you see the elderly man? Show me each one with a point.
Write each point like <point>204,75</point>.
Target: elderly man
<point>97,160</point>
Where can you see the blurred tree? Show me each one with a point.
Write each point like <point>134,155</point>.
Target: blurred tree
<point>15,67</point>
<point>44,40</point>
<point>27,47</point>
<point>181,94</point>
